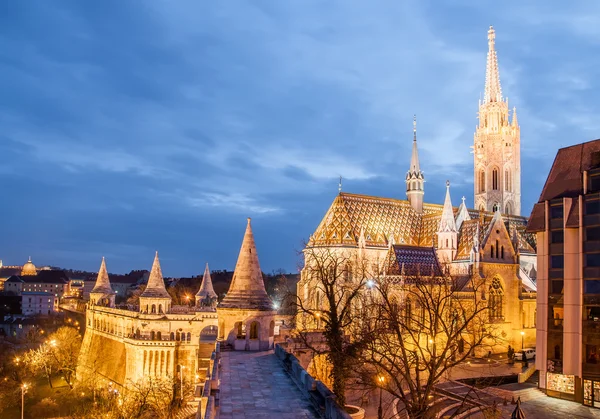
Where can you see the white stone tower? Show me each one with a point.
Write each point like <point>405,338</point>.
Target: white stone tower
<point>497,146</point>
<point>246,314</point>
<point>102,294</point>
<point>447,232</point>
<point>155,299</point>
<point>414,177</point>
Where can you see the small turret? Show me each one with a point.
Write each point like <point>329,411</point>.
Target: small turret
<point>206,295</point>
<point>102,294</point>
<point>447,231</point>
<point>155,299</point>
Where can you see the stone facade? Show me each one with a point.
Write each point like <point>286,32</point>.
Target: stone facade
<point>124,346</point>
<point>246,314</point>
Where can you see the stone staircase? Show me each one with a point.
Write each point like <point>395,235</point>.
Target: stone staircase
<point>526,394</point>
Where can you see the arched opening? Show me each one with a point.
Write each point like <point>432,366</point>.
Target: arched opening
<point>254,330</point>
<point>152,335</point>
<point>507,185</point>
<point>240,330</point>
<point>178,336</point>
<point>272,328</point>
<point>172,336</point>
<point>209,334</point>
<point>481,181</point>
<point>495,301</point>
<point>407,311</point>
<point>153,308</point>
<point>497,245</point>
<point>496,207</point>
<point>137,333</point>
<point>495,179</point>
<point>160,310</point>
<point>158,336</point>
<point>492,251</point>
<point>502,252</point>
<point>189,336</point>
<point>508,209</point>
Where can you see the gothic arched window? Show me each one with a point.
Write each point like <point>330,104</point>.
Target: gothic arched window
<point>254,330</point>
<point>495,179</point>
<point>507,180</point>
<point>481,181</point>
<point>496,293</point>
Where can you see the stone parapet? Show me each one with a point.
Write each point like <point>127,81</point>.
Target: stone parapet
<point>320,396</point>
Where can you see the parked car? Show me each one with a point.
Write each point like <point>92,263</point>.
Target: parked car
<point>529,354</point>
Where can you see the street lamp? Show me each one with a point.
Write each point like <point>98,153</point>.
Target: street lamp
<point>522,337</point>
<point>23,388</point>
<point>381,380</point>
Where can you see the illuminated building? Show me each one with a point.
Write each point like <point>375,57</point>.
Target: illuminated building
<point>566,220</point>
<point>155,339</point>
<point>246,314</point>
<point>489,243</point>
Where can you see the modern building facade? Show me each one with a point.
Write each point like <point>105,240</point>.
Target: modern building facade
<point>566,220</point>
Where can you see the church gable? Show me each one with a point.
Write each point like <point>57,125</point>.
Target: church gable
<point>497,245</point>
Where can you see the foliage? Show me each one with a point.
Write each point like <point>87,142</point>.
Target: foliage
<point>419,329</point>
<point>336,281</point>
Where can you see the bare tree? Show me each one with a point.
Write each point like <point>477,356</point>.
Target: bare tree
<point>333,281</point>
<point>420,328</point>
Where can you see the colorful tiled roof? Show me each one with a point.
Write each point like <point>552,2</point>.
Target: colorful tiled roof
<point>385,220</point>
<point>415,261</point>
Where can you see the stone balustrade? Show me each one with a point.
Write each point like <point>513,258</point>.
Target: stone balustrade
<point>322,398</point>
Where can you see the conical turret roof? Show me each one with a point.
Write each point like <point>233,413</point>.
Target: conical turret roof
<point>247,289</point>
<point>206,287</point>
<point>102,282</point>
<point>156,284</point>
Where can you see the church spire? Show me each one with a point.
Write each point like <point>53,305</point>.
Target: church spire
<point>156,284</point>
<point>247,289</point>
<point>414,177</point>
<point>447,232</point>
<point>493,91</point>
<point>515,121</point>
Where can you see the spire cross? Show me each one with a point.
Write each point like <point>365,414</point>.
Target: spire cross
<point>415,127</point>
<point>463,199</point>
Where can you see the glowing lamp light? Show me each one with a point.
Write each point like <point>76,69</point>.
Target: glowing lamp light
<point>381,379</point>
<point>276,306</point>
<point>370,283</point>
<point>522,333</point>
<point>430,340</point>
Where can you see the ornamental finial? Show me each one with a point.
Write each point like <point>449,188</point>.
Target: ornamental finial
<point>340,185</point>
<point>415,127</point>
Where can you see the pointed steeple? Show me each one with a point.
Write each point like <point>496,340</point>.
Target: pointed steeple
<point>493,91</point>
<point>463,214</point>
<point>206,287</point>
<point>156,285</point>
<point>414,177</point>
<point>247,289</point>
<point>414,159</point>
<point>447,222</point>
<point>515,121</point>
<point>102,282</point>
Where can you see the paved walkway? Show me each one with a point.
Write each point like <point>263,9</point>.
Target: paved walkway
<point>255,386</point>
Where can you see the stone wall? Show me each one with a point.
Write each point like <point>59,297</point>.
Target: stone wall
<point>314,390</point>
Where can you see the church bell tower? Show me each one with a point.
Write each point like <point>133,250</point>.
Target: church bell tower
<point>497,145</point>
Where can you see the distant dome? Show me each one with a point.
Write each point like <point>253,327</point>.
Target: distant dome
<point>28,268</point>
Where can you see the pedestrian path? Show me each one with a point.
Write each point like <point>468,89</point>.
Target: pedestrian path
<point>255,386</point>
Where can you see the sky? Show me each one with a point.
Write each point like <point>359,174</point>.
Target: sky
<point>128,127</point>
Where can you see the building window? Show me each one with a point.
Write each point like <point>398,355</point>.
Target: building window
<point>592,286</point>
<point>254,330</point>
<point>591,354</point>
<point>557,236</point>
<point>557,262</point>
<point>592,207</point>
<point>592,233</point>
<point>495,179</point>
<point>592,260</point>
<point>507,181</point>
<point>556,211</point>
<point>481,181</point>
<point>495,300</point>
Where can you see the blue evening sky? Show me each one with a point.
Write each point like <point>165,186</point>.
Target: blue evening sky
<point>133,126</point>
